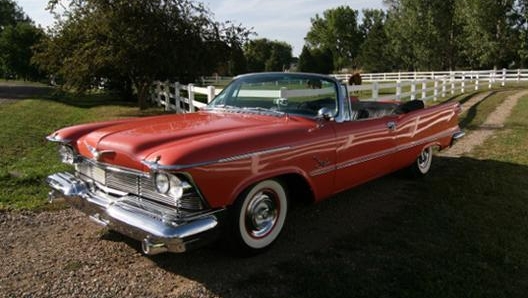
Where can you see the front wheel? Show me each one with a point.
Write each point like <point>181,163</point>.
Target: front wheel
<point>422,165</point>
<point>259,216</point>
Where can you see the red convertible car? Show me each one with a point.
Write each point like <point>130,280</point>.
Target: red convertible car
<point>175,182</point>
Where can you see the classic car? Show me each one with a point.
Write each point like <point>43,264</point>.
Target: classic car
<point>179,181</point>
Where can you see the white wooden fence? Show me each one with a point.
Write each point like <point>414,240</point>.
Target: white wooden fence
<point>181,98</point>
<point>377,86</point>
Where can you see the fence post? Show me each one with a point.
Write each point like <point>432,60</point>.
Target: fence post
<point>398,89</point>
<point>435,92</point>
<point>477,82</point>
<point>210,93</point>
<point>375,90</point>
<point>452,83</point>
<point>444,80</point>
<point>190,96</point>
<point>177,100</point>
<point>283,92</point>
<point>153,94</point>
<point>463,83</point>
<point>413,90</point>
<point>424,89</point>
<point>166,94</point>
<point>158,93</point>
<point>503,77</point>
<point>518,76</point>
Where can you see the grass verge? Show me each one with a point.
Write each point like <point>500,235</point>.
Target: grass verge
<point>27,158</point>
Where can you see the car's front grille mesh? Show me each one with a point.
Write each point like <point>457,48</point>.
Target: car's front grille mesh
<point>123,182</point>
<point>138,185</point>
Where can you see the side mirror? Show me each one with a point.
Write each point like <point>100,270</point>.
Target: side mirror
<point>325,113</point>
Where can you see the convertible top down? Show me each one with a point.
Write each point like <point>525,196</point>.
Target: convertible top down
<point>175,182</point>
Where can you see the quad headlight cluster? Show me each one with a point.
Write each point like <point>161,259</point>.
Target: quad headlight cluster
<point>170,185</point>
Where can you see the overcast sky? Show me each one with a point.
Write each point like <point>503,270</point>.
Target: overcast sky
<point>282,20</point>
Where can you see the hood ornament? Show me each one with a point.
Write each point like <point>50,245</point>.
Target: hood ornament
<point>152,164</point>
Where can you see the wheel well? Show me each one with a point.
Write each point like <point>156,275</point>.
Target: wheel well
<point>297,188</point>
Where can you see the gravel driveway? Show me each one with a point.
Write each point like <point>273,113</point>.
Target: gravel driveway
<point>64,254</point>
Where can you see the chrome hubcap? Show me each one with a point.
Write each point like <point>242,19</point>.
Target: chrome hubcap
<point>262,214</point>
<point>423,159</point>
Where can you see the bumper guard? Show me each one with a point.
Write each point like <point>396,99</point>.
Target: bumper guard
<point>158,227</point>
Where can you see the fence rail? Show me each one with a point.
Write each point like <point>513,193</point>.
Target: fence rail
<point>378,86</point>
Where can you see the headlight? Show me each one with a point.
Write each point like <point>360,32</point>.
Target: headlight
<point>176,187</point>
<point>170,185</point>
<point>162,182</point>
<point>67,155</point>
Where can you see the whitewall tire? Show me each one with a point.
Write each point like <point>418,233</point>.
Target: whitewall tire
<point>259,215</point>
<point>423,162</point>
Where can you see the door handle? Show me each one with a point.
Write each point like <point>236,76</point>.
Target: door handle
<point>391,125</point>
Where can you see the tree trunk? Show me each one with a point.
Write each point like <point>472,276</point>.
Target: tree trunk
<point>143,94</point>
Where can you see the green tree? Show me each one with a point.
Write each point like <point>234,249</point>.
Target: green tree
<point>338,31</point>
<point>136,41</point>
<point>422,33</point>
<point>16,44</point>
<point>522,27</point>
<point>17,37</point>
<point>11,14</point>
<point>306,61</point>
<point>374,55</point>
<point>265,55</point>
<point>316,60</point>
<point>237,62</point>
<point>488,36</point>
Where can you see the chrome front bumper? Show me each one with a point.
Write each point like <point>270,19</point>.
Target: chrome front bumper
<point>158,227</point>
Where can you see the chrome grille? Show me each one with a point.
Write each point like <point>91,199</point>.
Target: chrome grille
<point>138,185</point>
<point>123,182</point>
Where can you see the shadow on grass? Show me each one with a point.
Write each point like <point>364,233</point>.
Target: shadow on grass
<point>462,229</point>
<point>472,112</point>
<point>18,92</point>
<point>21,92</point>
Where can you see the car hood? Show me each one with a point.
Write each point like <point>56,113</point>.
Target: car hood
<point>183,139</point>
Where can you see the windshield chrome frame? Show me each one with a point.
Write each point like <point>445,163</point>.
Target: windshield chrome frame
<point>343,105</point>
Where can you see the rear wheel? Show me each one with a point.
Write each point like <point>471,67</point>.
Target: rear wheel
<point>259,216</point>
<point>422,165</point>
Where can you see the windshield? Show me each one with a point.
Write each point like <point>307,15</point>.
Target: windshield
<point>285,93</point>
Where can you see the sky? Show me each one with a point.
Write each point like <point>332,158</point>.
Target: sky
<point>281,20</point>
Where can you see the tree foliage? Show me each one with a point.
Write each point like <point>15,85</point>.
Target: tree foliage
<point>425,35</point>
<point>488,32</point>
<point>17,37</point>
<point>374,54</point>
<point>137,42</point>
<point>421,33</point>
<point>11,14</point>
<point>337,31</point>
<point>266,55</point>
<point>316,60</point>
<point>16,42</point>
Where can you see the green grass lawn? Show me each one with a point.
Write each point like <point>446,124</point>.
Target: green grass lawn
<point>27,158</point>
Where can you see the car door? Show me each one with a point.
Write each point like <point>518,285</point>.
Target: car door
<point>365,150</point>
